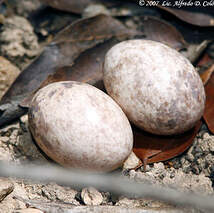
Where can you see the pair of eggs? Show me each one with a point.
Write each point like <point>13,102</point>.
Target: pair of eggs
<point>79,126</point>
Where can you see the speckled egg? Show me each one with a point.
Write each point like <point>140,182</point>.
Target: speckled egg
<point>156,86</point>
<point>78,125</point>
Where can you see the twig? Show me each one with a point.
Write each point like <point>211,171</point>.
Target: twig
<point>106,182</point>
<point>50,207</point>
<point>194,52</point>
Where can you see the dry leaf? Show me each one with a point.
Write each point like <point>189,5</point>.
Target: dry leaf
<point>159,30</point>
<point>68,45</point>
<point>209,106</point>
<point>206,75</point>
<point>204,60</point>
<point>87,68</point>
<point>154,148</point>
<point>191,17</point>
<point>208,81</point>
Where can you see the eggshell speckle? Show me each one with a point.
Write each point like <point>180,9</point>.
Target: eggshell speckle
<point>157,87</point>
<point>79,126</point>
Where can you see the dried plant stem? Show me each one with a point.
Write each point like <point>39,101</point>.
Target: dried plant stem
<point>108,182</point>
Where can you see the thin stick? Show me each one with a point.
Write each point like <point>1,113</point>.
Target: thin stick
<point>107,182</point>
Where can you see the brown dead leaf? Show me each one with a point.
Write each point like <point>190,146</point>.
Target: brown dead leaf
<point>75,6</point>
<point>205,76</point>
<point>209,106</point>
<point>205,68</point>
<point>161,31</point>
<point>204,60</point>
<point>154,148</point>
<point>191,17</point>
<point>87,68</point>
<point>68,45</point>
<point>65,49</point>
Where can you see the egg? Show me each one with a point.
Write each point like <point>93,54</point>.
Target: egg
<point>79,126</point>
<point>157,87</point>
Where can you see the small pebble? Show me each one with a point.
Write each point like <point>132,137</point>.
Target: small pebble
<point>18,41</point>
<point>95,9</point>
<point>4,139</point>
<point>8,73</point>
<point>206,135</point>
<point>6,187</point>
<point>131,162</point>
<point>91,196</point>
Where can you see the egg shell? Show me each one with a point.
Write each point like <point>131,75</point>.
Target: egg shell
<point>79,126</point>
<point>156,86</point>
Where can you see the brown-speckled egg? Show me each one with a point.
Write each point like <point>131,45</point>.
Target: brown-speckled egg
<point>156,86</point>
<point>78,125</point>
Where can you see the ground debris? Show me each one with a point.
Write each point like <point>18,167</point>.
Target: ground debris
<point>18,146</point>
<point>28,210</point>
<point>6,187</point>
<point>8,73</point>
<point>193,171</point>
<point>18,40</point>
<point>174,178</point>
<point>199,159</point>
<point>91,196</point>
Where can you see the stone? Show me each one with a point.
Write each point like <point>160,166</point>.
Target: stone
<point>95,9</point>
<point>9,205</point>
<point>7,130</point>
<point>91,196</point>
<point>55,192</point>
<point>189,182</point>
<point>24,119</point>
<point>174,178</point>
<point>131,162</point>
<point>129,203</point>
<point>25,7</point>
<point>4,139</point>
<point>6,187</point>
<point>66,195</point>
<point>18,40</point>
<point>200,157</point>
<point>8,73</point>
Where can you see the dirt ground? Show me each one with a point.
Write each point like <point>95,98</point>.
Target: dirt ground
<point>19,45</point>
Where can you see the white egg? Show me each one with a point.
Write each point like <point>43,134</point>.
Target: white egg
<point>156,86</point>
<point>78,125</point>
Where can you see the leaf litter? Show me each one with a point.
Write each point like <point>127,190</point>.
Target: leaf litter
<point>202,19</point>
<point>62,51</point>
<point>68,69</point>
<point>72,48</point>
